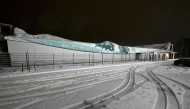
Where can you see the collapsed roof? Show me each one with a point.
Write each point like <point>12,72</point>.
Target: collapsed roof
<point>104,47</point>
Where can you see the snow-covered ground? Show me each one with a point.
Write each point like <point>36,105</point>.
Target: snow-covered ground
<point>133,85</point>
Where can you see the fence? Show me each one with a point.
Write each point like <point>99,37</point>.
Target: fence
<point>21,61</point>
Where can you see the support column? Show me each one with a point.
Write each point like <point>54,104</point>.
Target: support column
<point>173,55</point>
<point>153,57</point>
<point>102,59</point>
<point>89,59</point>
<point>112,58</point>
<point>149,56</point>
<point>172,47</point>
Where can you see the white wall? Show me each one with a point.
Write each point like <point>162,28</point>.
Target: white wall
<point>61,55</point>
<point>19,47</point>
<point>23,47</point>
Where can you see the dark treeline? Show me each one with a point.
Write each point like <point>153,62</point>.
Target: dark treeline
<point>182,47</point>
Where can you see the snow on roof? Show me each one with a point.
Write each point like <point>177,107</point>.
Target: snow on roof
<point>104,47</point>
<point>158,46</point>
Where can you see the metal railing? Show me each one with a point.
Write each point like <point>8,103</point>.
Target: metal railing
<point>23,61</point>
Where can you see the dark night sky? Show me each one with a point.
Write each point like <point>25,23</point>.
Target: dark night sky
<point>125,22</point>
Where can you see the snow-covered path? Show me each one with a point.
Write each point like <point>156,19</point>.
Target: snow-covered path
<point>166,98</point>
<point>71,87</point>
<point>177,78</point>
<point>176,81</point>
<point>69,99</point>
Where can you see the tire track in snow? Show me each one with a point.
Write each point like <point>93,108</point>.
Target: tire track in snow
<point>186,102</point>
<point>166,97</point>
<point>54,84</point>
<point>60,77</point>
<point>108,97</point>
<point>116,76</point>
<point>131,86</point>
